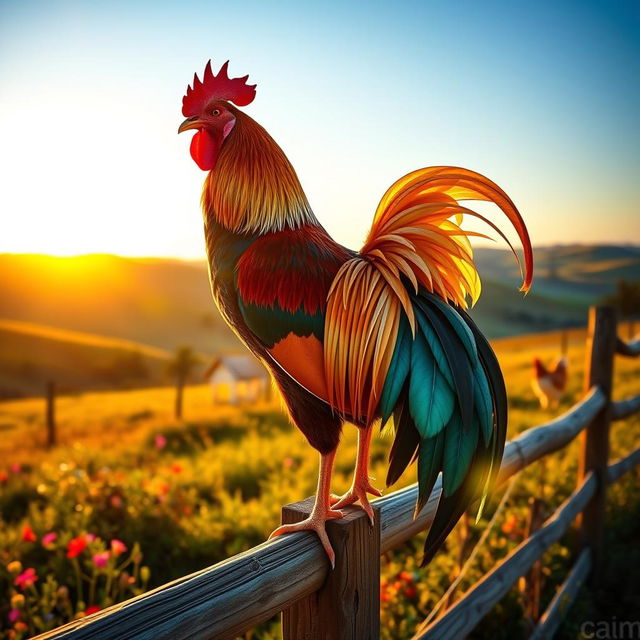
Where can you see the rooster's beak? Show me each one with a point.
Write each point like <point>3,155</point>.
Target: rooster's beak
<point>190,123</point>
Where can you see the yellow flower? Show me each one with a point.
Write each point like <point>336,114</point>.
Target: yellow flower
<point>17,601</point>
<point>14,567</point>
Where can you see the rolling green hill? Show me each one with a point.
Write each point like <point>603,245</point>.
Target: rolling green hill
<point>31,355</point>
<point>568,279</point>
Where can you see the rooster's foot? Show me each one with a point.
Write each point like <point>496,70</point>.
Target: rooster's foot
<point>315,522</point>
<point>357,493</point>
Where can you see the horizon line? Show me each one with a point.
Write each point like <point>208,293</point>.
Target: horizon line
<point>203,257</point>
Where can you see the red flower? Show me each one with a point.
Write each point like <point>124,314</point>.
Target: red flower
<point>26,579</point>
<point>76,546</point>
<point>411,592</point>
<point>115,501</point>
<point>509,524</point>
<point>28,535</point>
<point>406,576</point>
<point>176,468</point>
<point>92,609</point>
<point>4,476</point>
<point>118,547</point>
<point>511,527</point>
<point>101,559</point>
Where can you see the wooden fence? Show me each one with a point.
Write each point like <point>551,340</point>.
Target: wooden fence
<point>291,574</point>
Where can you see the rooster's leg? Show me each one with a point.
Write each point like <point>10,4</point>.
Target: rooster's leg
<point>361,484</point>
<point>322,510</point>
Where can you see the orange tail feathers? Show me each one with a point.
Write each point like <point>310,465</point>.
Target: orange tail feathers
<point>416,233</point>
<point>424,200</point>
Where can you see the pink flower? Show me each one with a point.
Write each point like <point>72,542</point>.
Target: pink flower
<point>92,609</point>
<point>76,546</point>
<point>15,468</point>
<point>101,559</point>
<point>26,579</point>
<point>118,547</point>
<point>49,538</point>
<point>14,615</point>
<point>161,441</point>
<point>89,537</point>
<point>28,535</point>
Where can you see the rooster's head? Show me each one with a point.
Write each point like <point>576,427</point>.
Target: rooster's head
<point>207,109</point>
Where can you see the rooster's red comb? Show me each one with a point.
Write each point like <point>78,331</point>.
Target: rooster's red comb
<point>219,87</point>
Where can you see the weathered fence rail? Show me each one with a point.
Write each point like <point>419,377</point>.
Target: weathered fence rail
<point>631,349</point>
<point>625,408</point>
<point>291,573</point>
<point>460,619</point>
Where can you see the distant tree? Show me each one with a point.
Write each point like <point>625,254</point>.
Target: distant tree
<point>626,300</point>
<point>180,367</point>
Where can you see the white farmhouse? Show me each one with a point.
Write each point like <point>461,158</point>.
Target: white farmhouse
<point>237,378</point>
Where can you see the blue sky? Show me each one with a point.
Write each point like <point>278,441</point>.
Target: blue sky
<point>542,97</point>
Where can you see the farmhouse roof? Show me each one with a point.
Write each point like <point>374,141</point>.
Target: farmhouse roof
<point>241,367</point>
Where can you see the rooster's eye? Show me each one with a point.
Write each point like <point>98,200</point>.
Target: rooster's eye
<point>215,112</point>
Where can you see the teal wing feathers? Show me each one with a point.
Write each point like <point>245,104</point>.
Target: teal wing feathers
<point>445,391</point>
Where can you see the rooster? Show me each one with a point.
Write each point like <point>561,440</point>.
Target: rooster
<point>549,384</point>
<point>375,335</point>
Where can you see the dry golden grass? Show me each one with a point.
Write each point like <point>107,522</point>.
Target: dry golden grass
<point>122,420</point>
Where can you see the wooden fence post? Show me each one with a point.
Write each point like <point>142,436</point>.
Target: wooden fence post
<point>347,607</point>
<point>51,415</point>
<point>601,347</point>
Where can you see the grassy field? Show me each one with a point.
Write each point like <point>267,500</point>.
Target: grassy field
<point>182,495</point>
